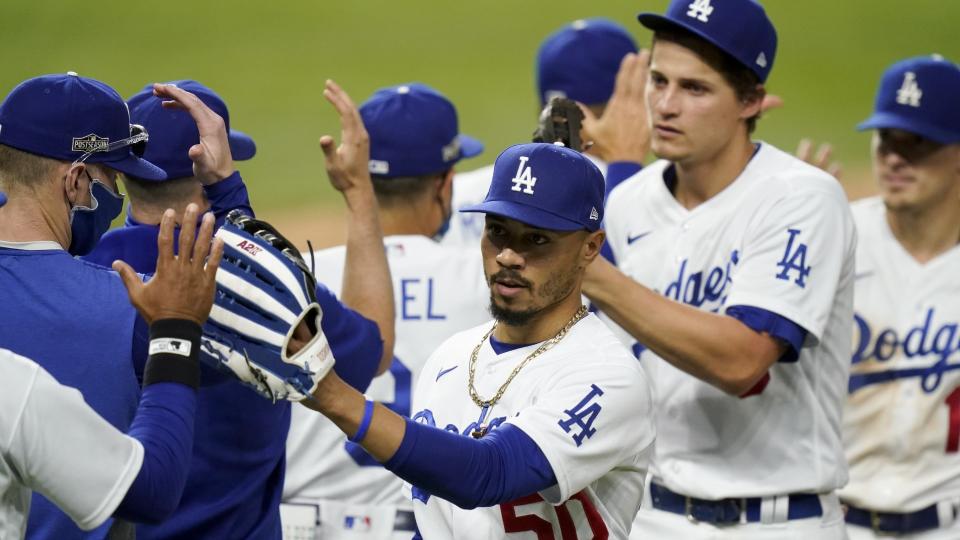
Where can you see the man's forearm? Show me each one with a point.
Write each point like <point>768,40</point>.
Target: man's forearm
<point>714,348</point>
<point>367,286</point>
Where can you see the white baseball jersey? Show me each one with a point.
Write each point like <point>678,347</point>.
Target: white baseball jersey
<point>779,238</point>
<point>902,421</point>
<point>470,188</point>
<point>587,405</point>
<point>438,291</point>
<point>51,441</point>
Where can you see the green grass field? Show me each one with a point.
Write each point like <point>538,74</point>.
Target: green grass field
<point>269,61</point>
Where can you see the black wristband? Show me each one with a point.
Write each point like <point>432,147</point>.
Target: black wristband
<point>174,353</point>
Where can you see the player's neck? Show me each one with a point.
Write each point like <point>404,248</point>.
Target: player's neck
<point>700,180</point>
<point>149,214</point>
<point>28,218</point>
<point>927,233</point>
<point>407,221</point>
<point>543,326</point>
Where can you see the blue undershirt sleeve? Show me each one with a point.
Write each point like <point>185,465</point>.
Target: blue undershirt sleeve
<point>617,172</point>
<point>226,195</point>
<point>354,340</point>
<point>141,340</point>
<point>164,426</point>
<point>502,466</point>
<point>773,324</point>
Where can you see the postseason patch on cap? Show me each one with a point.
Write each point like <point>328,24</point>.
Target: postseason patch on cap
<point>90,143</point>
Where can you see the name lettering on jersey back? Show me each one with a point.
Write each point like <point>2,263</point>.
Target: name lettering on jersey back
<point>582,415</point>
<point>416,300</point>
<point>698,288</point>
<point>926,340</point>
<point>794,260</point>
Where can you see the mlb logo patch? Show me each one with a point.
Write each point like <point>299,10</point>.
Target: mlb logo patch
<point>357,523</point>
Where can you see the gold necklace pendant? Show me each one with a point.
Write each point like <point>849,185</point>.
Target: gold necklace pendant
<point>487,404</point>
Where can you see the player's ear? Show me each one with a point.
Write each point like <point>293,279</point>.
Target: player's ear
<point>76,186</point>
<point>592,244</point>
<point>752,102</point>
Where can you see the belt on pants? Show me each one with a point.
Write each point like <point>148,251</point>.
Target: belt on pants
<point>894,522</point>
<point>729,511</point>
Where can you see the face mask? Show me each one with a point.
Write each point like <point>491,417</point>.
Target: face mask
<point>87,224</point>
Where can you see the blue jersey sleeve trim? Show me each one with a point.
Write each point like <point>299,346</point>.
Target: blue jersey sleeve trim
<point>226,195</point>
<point>774,324</point>
<point>502,466</point>
<point>618,171</point>
<point>355,340</point>
<point>164,425</point>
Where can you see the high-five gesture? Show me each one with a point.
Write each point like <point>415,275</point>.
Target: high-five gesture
<point>622,132</point>
<point>211,157</point>
<point>184,284</point>
<point>347,164</point>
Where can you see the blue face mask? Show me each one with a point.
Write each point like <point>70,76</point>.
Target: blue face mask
<point>87,224</point>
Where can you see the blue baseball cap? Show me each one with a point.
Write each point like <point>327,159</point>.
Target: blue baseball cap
<point>414,131</point>
<point>580,61</point>
<point>546,186</point>
<point>3,198</point>
<point>920,95</point>
<point>739,28</point>
<point>68,117</point>
<point>173,131</point>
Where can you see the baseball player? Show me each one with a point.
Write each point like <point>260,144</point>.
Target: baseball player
<point>236,474</point>
<point>172,133</point>
<point>538,423</point>
<point>414,146</point>
<point>54,442</point>
<point>736,267</point>
<point>902,421</point>
<point>583,61</point>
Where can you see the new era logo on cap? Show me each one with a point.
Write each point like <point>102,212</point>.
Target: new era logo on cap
<point>545,186</point>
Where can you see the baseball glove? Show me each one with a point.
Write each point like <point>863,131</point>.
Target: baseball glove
<point>560,122</point>
<point>264,292</point>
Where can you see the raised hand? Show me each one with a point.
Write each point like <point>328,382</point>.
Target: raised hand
<point>184,284</point>
<point>212,160</point>
<point>347,164</point>
<point>622,132</point>
<point>821,159</point>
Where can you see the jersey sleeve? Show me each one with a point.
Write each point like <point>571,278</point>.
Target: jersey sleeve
<point>792,263</point>
<point>68,453</point>
<point>592,419</point>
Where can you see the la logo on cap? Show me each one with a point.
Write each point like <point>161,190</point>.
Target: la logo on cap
<point>910,92</point>
<point>524,180</point>
<point>700,10</point>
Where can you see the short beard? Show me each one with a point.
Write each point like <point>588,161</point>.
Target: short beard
<point>510,317</point>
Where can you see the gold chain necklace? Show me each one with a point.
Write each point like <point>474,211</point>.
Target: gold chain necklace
<point>486,404</point>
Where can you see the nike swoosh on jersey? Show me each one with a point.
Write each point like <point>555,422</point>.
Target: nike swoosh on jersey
<point>444,372</point>
<point>632,239</point>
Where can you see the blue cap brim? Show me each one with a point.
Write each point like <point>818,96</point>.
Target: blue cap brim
<point>881,120</point>
<point>3,198</point>
<point>529,215</point>
<point>242,146</point>
<point>136,167</point>
<point>469,146</point>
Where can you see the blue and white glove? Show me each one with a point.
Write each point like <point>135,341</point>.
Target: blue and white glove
<point>264,292</point>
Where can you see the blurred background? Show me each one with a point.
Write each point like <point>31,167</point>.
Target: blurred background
<point>268,60</point>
